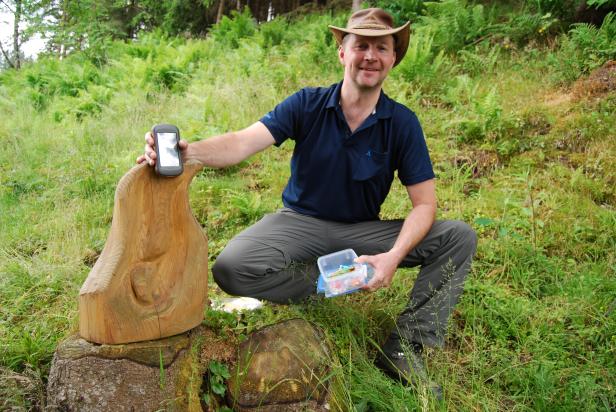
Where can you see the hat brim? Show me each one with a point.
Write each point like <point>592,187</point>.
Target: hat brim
<point>401,35</point>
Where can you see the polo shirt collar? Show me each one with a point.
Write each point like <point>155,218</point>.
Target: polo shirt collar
<point>384,106</point>
<point>334,97</point>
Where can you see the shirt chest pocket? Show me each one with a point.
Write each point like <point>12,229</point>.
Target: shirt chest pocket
<point>368,165</point>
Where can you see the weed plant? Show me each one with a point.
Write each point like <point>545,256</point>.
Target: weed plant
<point>231,29</point>
<point>456,23</point>
<point>531,169</point>
<point>586,48</point>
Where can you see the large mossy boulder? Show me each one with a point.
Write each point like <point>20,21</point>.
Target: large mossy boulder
<point>283,367</point>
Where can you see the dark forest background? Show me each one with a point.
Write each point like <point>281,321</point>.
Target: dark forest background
<point>74,25</point>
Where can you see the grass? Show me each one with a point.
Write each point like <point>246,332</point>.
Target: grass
<point>534,329</point>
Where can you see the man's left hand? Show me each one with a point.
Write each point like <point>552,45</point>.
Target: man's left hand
<point>385,265</point>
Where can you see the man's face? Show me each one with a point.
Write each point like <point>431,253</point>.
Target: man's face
<point>367,60</point>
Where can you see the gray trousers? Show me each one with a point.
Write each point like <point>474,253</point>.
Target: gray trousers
<point>275,260</point>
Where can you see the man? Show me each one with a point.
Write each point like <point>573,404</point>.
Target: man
<point>350,138</point>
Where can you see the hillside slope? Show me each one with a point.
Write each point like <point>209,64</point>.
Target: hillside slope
<point>522,151</point>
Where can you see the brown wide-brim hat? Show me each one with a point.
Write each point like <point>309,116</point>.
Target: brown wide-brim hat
<point>374,23</point>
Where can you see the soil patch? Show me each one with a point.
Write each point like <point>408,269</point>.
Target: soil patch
<point>21,390</point>
<point>219,349</point>
<point>557,99</point>
<point>481,162</point>
<point>598,83</point>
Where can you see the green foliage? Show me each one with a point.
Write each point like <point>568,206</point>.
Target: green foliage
<point>48,80</point>
<point>478,117</point>
<point>482,113</point>
<point>273,32</point>
<point>173,70</point>
<point>585,48</point>
<point>167,76</point>
<point>563,10</point>
<point>319,46</point>
<point>456,25</point>
<point>86,25</point>
<point>230,31</point>
<point>596,45</point>
<point>217,374</point>
<point>161,370</point>
<point>31,346</point>
<point>601,3</point>
<point>248,207</point>
<point>176,17</point>
<point>80,88</point>
<point>422,64</point>
<point>90,102</point>
<point>478,61</point>
<point>403,10</point>
<point>522,28</point>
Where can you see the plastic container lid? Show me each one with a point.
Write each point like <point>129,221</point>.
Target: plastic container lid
<point>330,263</point>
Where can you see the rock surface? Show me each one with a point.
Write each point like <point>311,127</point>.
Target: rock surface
<point>283,367</point>
<point>145,376</point>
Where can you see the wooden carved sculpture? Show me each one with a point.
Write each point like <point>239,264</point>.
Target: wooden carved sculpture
<point>151,278</point>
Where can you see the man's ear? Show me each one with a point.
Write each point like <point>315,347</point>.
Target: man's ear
<point>341,54</point>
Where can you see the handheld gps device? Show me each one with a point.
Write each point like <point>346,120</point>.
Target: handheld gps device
<point>168,158</point>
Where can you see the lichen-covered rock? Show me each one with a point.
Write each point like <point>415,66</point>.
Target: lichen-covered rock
<point>283,367</point>
<point>144,376</point>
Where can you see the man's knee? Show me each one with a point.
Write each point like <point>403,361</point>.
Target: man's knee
<point>226,274</point>
<point>464,236</point>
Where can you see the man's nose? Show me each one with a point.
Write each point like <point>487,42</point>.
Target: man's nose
<point>369,55</point>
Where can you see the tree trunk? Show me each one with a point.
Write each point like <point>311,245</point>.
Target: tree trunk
<point>356,5</point>
<point>64,37</point>
<point>239,5</point>
<point>132,11</point>
<point>16,21</point>
<point>221,9</point>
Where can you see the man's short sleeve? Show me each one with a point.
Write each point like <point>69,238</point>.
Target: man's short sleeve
<point>284,121</point>
<point>413,160</point>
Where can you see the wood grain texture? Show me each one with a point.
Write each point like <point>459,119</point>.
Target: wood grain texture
<point>150,281</point>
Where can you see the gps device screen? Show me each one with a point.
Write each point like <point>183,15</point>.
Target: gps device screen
<point>168,155</point>
<point>168,149</point>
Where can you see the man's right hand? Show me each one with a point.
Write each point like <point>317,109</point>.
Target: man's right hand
<point>149,154</point>
<point>218,151</point>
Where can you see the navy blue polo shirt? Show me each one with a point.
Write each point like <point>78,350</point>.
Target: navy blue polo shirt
<point>343,176</point>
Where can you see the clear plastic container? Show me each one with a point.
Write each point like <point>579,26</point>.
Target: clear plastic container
<point>340,274</point>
